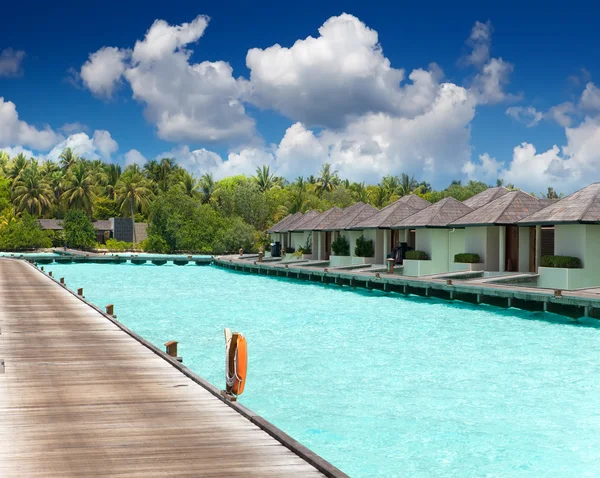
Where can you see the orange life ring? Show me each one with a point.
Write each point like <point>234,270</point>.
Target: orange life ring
<point>237,364</point>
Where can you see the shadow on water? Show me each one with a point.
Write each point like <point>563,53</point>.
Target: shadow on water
<point>546,317</point>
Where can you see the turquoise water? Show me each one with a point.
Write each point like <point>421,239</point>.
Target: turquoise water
<point>378,384</point>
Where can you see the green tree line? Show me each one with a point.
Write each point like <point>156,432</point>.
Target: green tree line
<point>184,212</point>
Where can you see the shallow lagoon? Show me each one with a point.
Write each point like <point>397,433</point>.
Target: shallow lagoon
<point>376,383</point>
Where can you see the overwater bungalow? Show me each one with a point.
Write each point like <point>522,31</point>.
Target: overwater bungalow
<point>119,228</point>
<point>485,197</point>
<point>350,217</point>
<point>378,227</point>
<point>318,227</point>
<point>438,241</point>
<point>279,232</point>
<point>574,261</point>
<point>491,231</point>
<point>299,236</point>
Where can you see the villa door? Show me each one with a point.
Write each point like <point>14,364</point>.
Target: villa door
<point>512,249</point>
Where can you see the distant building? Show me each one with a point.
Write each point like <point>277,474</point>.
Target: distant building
<point>119,228</point>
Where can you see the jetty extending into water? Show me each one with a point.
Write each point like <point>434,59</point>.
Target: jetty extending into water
<point>67,256</point>
<point>576,303</point>
<point>81,395</point>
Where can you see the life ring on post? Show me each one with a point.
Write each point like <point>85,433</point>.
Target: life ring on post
<point>236,362</point>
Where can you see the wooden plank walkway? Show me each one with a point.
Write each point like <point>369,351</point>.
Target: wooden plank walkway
<point>81,397</point>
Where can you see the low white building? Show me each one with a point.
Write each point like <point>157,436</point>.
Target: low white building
<point>280,232</point>
<point>378,227</point>
<point>435,238</point>
<point>491,231</point>
<point>576,222</point>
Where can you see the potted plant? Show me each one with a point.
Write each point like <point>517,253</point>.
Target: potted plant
<point>340,252</point>
<point>467,261</point>
<point>364,250</point>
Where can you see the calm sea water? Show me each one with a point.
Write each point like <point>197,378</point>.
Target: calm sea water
<point>378,384</point>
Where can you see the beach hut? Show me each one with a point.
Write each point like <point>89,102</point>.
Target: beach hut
<point>351,216</point>
<point>378,227</point>
<point>280,232</point>
<point>485,197</point>
<point>574,261</point>
<point>491,231</point>
<point>435,238</point>
<point>321,236</point>
<point>299,236</point>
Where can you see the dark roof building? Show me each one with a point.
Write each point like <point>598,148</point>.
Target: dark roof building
<point>508,209</point>
<point>581,207</point>
<point>394,213</point>
<point>485,197</point>
<point>352,215</point>
<point>440,214</point>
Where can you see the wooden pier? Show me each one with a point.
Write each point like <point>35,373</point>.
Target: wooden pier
<point>575,304</point>
<point>81,395</point>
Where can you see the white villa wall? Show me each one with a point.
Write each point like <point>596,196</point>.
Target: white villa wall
<point>577,240</point>
<point>457,244</point>
<point>524,233</point>
<point>485,241</point>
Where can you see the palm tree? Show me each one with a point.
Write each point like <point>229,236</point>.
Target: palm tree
<point>133,194</point>
<point>4,159</point>
<point>49,167</point>
<point>152,170</point>
<point>327,178</point>
<point>113,173</point>
<point>359,192</point>
<point>167,167</point>
<point>208,187</point>
<point>16,167</point>
<point>31,192</point>
<point>407,185</point>
<point>551,194</point>
<point>379,196</point>
<point>68,159</point>
<point>57,183</point>
<point>188,183</point>
<point>264,179</point>
<point>80,188</point>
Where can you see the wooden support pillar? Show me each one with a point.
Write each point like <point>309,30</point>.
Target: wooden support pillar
<point>260,256</point>
<point>538,247</point>
<point>110,310</point>
<point>479,298</point>
<point>62,280</point>
<point>171,349</point>
<point>509,302</point>
<point>50,273</point>
<point>545,306</point>
<point>80,292</point>
<point>42,268</point>
<point>390,265</point>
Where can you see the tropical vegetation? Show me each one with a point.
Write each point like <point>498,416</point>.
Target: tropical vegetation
<point>185,212</point>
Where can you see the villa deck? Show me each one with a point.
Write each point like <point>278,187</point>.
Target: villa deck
<point>574,303</point>
<point>80,395</point>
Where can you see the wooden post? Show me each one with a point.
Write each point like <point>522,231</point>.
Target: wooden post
<point>80,292</point>
<point>42,268</point>
<point>50,273</point>
<point>171,346</point>
<point>557,293</point>
<point>62,280</point>
<point>241,252</point>
<point>448,281</point>
<point>110,310</point>
<point>260,256</point>
<point>390,265</point>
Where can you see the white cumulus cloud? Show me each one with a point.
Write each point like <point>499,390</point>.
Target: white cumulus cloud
<point>133,156</point>
<point>14,131</point>
<point>104,70</point>
<point>99,146</point>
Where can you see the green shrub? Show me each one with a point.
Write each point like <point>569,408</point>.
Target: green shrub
<point>467,258</point>
<point>155,244</point>
<point>23,233</point>
<point>364,247</point>
<point>114,245</point>
<point>565,262</point>
<point>340,247</point>
<point>79,231</point>
<point>417,255</point>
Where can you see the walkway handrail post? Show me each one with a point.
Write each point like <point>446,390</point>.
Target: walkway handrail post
<point>110,310</point>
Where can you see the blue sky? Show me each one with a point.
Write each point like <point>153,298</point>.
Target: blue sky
<point>299,108</point>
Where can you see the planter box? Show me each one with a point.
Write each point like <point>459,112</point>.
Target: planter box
<point>309,257</point>
<point>463,266</point>
<point>340,261</point>
<point>568,279</point>
<point>416,268</point>
<point>363,260</point>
